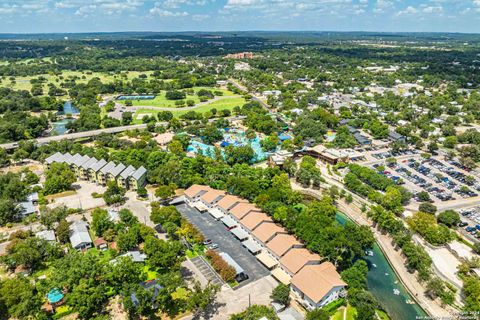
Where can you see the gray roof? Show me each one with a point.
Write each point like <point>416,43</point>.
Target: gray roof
<point>136,256</point>
<point>79,233</point>
<point>88,164</point>
<point>395,135</point>
<point>56,157</point>
<point>67,158</point>
<point>48,235</point>
<point>239,233</point>
<point>127,172</point>
<point>98,165</point>
<point>117,170</point>
<point>252,246</point>
<point>361,138</point>
<point>75,158</point>
<point>231,262</point>
<point>228,221</point>
<point>26,208</point>
<point>139,173</point>
<point>108,168</point>
<point>78,162</point>
<point>32,196</point>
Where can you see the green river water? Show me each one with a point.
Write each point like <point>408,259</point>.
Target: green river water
<point>382,281</point>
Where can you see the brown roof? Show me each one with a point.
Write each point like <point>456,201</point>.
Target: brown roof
<point>99,241</point>
<point>253,219</point>
<point>281,243</point>
<point>229,201</point>
<point>315,281</point>
<point>211,195</point>
<point>195,190</point>
<point>242,209</point>
<point>297,258</point>
<point>266,230</point>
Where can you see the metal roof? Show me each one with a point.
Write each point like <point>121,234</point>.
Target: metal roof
<point>252,246</point>
<point>127,172</point>
<point>228,221</point>
<point>231,262</point>
<point>99,165</point>
<point>108,168</point>
<point>239,233</point>
<point>79,233</point>
<point>67,158</point>
<point>76,159</point>
<point>56,157</point>
<point>117,170</point>
<point>88,164</point>
<point>139,173</point>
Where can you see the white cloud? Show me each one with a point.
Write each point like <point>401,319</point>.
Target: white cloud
<point>166,13</point>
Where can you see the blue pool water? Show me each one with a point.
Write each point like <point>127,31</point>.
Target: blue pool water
<point>59,127</point>
<point>69,108</point>
<point>54,295</point>
<point>230,137</point>
<point>136,97</point>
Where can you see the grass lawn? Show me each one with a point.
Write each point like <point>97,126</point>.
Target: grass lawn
<point>162,102</point>
<point>351,312</point>
<point>224,104</point>
<point>61,194</point>
<point>23,83</point>
<point>337,315</point>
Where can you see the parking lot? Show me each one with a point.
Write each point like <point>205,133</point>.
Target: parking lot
<point>440,179</point>
<point>218,233</point>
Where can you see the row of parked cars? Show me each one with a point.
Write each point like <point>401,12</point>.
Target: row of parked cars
<point>457,175</point>
<point>393,154</point>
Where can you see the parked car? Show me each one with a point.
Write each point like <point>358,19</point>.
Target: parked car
<point>463,224</point>
<point>209,241</point>
<point>212,246</point>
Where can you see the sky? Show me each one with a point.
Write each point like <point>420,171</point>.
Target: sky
<point>45,16</point>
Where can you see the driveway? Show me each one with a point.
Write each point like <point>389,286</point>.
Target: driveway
<point>216,230</point>
<point>82,199</point>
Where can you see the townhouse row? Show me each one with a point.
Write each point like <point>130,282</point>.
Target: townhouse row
<point>101,171</point>
<point>313,281</point>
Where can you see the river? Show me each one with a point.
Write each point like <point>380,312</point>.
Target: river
<point>59,127</point>
<point>382,280</point>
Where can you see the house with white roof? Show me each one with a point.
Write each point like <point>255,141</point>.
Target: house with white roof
<point>79,236</point>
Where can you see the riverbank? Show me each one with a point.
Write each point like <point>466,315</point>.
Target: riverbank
<point>394,257</point>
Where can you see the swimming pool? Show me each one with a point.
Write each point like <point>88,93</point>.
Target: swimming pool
<point>230,137</point>
<point>136,97</point>
<point>54,295</point>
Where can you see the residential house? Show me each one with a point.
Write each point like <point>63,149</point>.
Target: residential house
<point>79,236</point>
<point>47,235</point>
<point>137,179</point>
<point>242,209</point>
<point>193,193</point>
<point>317,285</point>
<point>94,170</point>
<point>281,244</point>
<point>83,169</point>
<point>56,157</point>
<point>228,202</point>
<point>123,178</point>
<point>115,172</point>
<point>103,173</point>
<point>77,162</point>
<point>151,285</point>
<point>395,136</point>
<point>211,197</point>
<point>266,231</point>
<point>295,259</point>
<point>252,220</point>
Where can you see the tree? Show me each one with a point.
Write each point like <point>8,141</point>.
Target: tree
<point>365,303</point>
<point>281,294</point>
<point>87,298</point>
<point>163,254</point>
<point>162,214</point>
<point>127,217</point>
<point>127,118</point>
<point>63,231</point>
<point>101,221</point>
<point>356,275</point>
<point>200,299</point>
<point>114,193</point>
<point>255,312</point>
<point>19,298</point>
<point>450,218</point>
<point>317,314</point>
<point>8,211</point>
<point>59,178</point>
<point>423,196</point>
<point>427,207</point>
<point>166,191</point>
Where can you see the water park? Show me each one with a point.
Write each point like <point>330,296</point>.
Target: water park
<point>231,137</point>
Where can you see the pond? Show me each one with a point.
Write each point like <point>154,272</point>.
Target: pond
<point>382,281</point>
<point>59,127</point>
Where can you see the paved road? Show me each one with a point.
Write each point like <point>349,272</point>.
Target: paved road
<point>216,230</point>
<point>243,88</point>
<point>79,135</point>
